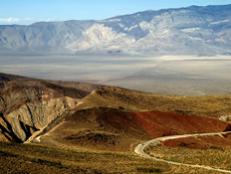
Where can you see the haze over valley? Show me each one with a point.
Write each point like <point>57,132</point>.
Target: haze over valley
<point>174,75</point>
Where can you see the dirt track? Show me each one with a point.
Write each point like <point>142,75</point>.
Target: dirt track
<point>140,150</point>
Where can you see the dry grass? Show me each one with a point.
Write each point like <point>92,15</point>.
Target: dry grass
<point>31,159</point>
<point>214,157</point>
<point>214,106</point>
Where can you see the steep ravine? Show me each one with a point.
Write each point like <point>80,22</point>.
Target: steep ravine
<point>21,123</point>
<point>28,107</point>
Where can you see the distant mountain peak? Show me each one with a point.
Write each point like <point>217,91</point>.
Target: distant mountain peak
<point>191,30</point>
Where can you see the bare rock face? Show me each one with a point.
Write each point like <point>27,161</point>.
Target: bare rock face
<point>34,116</point>
<point>27,107</point>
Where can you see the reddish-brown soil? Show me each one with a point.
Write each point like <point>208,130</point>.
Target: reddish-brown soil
<point>116,128</point>
<point>216,142</point>
<point>157,124</point>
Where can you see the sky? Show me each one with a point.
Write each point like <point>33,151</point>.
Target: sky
<point>30,11</point>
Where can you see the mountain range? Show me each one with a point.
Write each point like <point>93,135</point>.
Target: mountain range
<point>192,30</point>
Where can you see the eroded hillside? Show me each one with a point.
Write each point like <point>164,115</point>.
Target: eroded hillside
<point>31,108</point>
<point>28,106</point>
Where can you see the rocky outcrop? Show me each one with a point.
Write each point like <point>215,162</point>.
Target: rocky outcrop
<point>28,106</point>
<point>32,117</point>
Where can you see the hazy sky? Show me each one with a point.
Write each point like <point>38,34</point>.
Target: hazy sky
<point>29,11</point>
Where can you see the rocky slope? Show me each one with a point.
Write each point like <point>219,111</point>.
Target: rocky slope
<point>28,106</point>
<point>193,30</point>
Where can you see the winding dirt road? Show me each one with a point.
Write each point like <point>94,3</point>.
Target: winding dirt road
<point>140,150</point>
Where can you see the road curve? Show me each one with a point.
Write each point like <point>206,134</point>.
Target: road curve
<point>140,150</point>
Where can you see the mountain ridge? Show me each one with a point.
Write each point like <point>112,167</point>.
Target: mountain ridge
<point>194,30</point>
